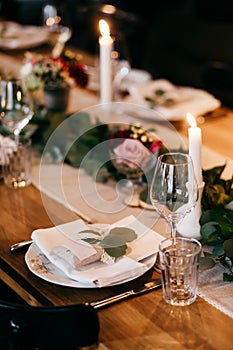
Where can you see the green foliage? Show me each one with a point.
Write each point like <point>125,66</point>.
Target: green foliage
<point>115,243</point>
<point>217,191</point>
<point>217,220</point>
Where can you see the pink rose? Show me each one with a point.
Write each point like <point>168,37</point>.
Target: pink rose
<point>132,153</point>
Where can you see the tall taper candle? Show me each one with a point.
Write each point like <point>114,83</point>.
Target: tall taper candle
<point>106,46</point>
<point>195,146</point>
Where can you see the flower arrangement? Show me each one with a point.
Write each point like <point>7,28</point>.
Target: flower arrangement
<point>91,146</point>
<point>135,132</point>
<point>39,71</point>
<point>134,149</point>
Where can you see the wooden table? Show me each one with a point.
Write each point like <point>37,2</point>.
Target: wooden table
<point>144,322</point>
<point>139,323</point>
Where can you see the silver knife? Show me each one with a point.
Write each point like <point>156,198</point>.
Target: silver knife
<point>21,245</point>
<point>138,290</point>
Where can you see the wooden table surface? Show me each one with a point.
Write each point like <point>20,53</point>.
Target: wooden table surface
<point>143,322</point>
<point>139,323</point>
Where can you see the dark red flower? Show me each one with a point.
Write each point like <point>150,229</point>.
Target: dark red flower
<point>79,74</point>
<point>155,146</point>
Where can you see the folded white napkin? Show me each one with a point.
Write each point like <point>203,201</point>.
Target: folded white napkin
<point>66,238</point>
<point>175,101</point>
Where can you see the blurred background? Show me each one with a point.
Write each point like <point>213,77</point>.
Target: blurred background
<point>189,42</point>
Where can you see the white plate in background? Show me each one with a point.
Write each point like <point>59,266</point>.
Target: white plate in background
<point>14,36</point>
<point>175,102</point>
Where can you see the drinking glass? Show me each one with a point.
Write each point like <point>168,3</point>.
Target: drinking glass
<point>174,190</point>
<point>121,63</point>
<point>59,34</point>
<point>133,169</point>
<point>15,111</point>
<point>16,162</point>
<point>179,263</point>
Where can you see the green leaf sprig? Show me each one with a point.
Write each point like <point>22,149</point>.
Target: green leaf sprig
<point>115,243</point>
<point>217,220</point>
<point>159,97</point>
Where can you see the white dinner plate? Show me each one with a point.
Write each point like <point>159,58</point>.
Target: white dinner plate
<point>175,102</point>
<point>14,36</point>
<point>39,265</point>
<point>135,76</point>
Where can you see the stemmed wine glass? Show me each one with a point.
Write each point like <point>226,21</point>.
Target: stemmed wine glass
<point>133,159</point>
<point>59,34</point>
<point>174,190</point>
<point>15,112</point>
<point>121,63</point>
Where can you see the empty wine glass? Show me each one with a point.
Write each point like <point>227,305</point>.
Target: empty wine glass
<point>133,159</point>
<point>174,190</point>
<point>59,34</point>
<point>121,63</point>
<point>15,111</point>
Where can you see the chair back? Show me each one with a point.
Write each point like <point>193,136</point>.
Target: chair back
<point>24,327</point>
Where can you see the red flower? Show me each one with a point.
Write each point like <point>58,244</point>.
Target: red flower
<point>79,74</point>
<point>155,146</point>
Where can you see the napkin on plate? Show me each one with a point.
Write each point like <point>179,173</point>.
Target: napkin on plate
<point>65,238</point>
<point>171,101</point>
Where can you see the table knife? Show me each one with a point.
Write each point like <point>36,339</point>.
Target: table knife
<point>19,246</point>
<point>136,291</point>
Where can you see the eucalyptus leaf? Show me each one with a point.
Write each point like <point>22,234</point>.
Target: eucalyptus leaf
<point>111,241</point>
<point>114,245</point>
<point>91,240</point>
<point>90,236</point>
<point>206,263</point>
<point>226,230</point>
<point>218,249</point>
<point>209,231</point>
<point>117,251</point>
<point>206,216</point>
<point>227,277</point>
<point>228,248</point>
<point>127,234</point>
<point>90,231</point>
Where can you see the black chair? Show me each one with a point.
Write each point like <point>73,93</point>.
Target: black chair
<point>24,327</point>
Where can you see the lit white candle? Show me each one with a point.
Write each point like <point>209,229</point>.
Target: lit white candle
<point>195,146</point>
<point>106,47</point>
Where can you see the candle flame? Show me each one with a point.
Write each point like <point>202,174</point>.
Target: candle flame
<point>104,28</point>
<point>191,120</point>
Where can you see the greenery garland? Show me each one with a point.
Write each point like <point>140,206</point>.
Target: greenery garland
<point>217,220</point>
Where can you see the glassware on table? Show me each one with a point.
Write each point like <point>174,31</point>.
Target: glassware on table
<point>121,70</point>
<point>16,162</point>
<point>15,111</point>
<point>59,34</point>
<point>121,63</point>
<point>133,168</point>
<point>179,263</point>
<point>174,189</point>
